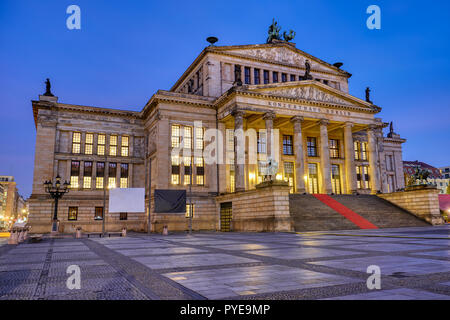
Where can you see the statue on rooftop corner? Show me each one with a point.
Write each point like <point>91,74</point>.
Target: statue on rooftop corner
<point>368,95</point>
<point>307,75</point>
<point>289,36</point>
<point>48,86</point>
<point>274,31</point>
<point>391,127</point>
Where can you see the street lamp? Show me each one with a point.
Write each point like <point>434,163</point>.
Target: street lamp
<point>56,191</point>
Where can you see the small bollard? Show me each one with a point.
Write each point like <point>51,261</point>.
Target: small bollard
<point>124,232</point>
<point>165,231</point>
<point>78,233</point>
<point>13,237</point>
<point>20,238</point>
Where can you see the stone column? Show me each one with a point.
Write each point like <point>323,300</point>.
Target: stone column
<point>349,154</point>
<point>268,118</point>
<point>374,179</point>
<point>239,150</point>
<point>298,151</point>
<point>325,157</point>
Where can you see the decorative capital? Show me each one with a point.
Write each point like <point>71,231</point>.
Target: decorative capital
<point>237,113</point>
<point>324,122</point>
<point>297,119</point>
<point>349,124</point>
<point>269,115</point>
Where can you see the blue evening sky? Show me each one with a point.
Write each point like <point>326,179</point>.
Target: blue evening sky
<point>126,50</point>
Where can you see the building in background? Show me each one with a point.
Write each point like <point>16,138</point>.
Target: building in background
<point>436,177</point>
<point>12,205</point>
<point>445,172</point>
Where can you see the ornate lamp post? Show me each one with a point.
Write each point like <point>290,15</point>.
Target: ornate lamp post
<point>56,191</point>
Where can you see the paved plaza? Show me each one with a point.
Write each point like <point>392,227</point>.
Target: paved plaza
<point>414,263</point>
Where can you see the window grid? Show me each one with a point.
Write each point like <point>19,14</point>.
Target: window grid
<point>188,210</point>
<point>72,214</point>
<point>334,148</point>
<point>101,141</point>
<point>187,138</point>
<point>288,145</point>
<point>76,142</point>
<point>113,145</point>
<point>312,146</point>
<point>125,146</point>
<point>98,214</point>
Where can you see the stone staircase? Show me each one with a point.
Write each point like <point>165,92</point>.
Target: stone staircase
<point>311,214</point>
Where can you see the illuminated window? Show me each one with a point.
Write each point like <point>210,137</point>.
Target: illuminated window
<point>363,150</point>
<point>175,136</point>
<point>334,148</point>
<point>124,175</point>
<point>360,150</point>
<point>230,140</point>
<point>231,180</point>
<point>289,175</point>
<point>76,142</point>
<point>187,138</point>
<point>175,170</point>
<point>366,176</point>
<point>74,174</point>
<point>89,145</point>
<point>98,215</point>
<point>262,169</point>
<point>261,142</point>
<point>199,143</point>
<point>313,179</point>
<point>358,177</point>
<point>112,171</point>
<point>188,210</point>
<point>125,146</point>
<point>312,146</point>
<point>200,171</point>
<point>113,145</point>
<point>288,148</point>
<point>73,213</point>
<point>99,181</point>
<point>87,179</point>
<point>335,179</point>
<point>357,148</point>
<point>101,144</point>
<point>187,170</point>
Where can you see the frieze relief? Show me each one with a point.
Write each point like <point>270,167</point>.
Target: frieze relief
<point>308,93</point>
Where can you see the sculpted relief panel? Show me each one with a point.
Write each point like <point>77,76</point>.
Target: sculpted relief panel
<point>308,93</point>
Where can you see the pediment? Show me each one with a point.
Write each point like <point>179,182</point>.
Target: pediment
<point>310,91</point>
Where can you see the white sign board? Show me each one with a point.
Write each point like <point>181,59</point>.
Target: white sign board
<point>127,200</point>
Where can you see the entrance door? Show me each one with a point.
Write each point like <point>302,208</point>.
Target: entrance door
<point>225,216</point>
<point>289,175</point>
<point>335,179</point>
<point>313,179</point>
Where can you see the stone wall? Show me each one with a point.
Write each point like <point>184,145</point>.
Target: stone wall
<point>265,208</point>
<point>421,201</point>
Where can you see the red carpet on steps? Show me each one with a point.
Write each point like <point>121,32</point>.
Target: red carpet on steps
<point>346,212</point>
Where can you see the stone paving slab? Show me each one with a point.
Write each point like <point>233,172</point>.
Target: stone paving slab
<point>253,246</point>
<point>301,253</point>
<point>390,264</point>
<point>223,283</point>
<point>386,248</point>
<point>158,251</point>
<point>193,260</point>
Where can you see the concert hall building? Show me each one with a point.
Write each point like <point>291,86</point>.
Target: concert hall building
<point>327,142</point>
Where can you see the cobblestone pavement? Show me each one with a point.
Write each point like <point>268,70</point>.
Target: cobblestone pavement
<point>414,263</point>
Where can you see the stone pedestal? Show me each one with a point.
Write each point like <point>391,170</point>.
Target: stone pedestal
<point>422,201</point>
<point>265,208</point>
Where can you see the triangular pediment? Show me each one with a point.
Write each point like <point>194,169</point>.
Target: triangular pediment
<point>311,91</point>
<point>282,53</point>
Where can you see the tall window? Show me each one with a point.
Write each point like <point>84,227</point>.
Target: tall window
<point>175,178</point>
<point>199,143</point>
<point>313,178</point>
<point>123,216</point>
<point>89,145</point>
<point>312,146</point>
<point>73,213</point>
<point>362,177</point>
<point>101,141</point>
<point>357,150</point>
<point>125,145</point>
<point>113,145</point>
<point>288,145</point>
<point>360,150</point>
<point>363,150</point>
<point>98,215</point>
<point>289,175</point>
<point>187,170</point>
<point>292,77</point>
<point>257,76</point>
<point>283,77</point>
<point>76,142</point>
<point>266,76</point>
<point>87,175</point>
<point>230,140</point>
<point>366,176</point>
<point>112,171</point>
<point>275,77</point>
<point>389,163</point>
<point>124,175</point>
<point>187,139</point>
<point>334,148</point>
<point>188,210</point>
<point>100,175</point>
<point>74,174</point>
<point>262,166</point>
<point>261,142</point>
<point>335,179</point>
<point>200,171</point>
<point>359,180</point>
<point>175,136</point>
<point>247,75</point>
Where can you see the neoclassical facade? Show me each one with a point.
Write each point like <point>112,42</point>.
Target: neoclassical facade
<point>289,105</point>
